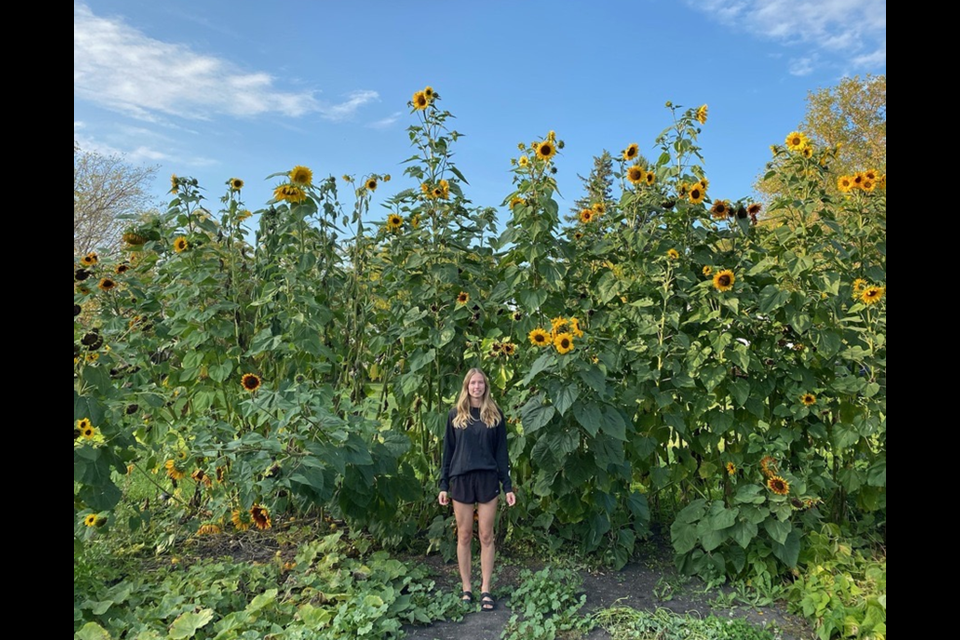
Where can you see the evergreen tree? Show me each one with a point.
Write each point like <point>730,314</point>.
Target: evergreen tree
<point>597,186</point>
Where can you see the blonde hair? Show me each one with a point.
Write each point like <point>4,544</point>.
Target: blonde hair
<point>489,411</point>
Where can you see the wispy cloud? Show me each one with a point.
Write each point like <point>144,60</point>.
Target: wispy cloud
<point>122,69</point>
<point>386,123</point>
<point>853,30</point>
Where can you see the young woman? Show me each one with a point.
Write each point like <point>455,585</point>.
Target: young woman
<point>475,465</point>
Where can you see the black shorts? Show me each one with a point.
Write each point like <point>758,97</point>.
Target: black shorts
<point>475,486</point>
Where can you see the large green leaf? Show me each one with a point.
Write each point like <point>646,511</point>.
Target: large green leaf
<point>613,424</point>
<point>789,551</point>
<point>772,298</point>
<point>589,416</point>
<point>187,624</point>
<point>535,415</point>
<point>565,397</point>
<point>778,530</point>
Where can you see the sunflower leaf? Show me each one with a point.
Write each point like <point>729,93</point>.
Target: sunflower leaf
<point>186,625</point>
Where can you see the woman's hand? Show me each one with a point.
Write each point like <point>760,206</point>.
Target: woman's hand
<point>511,498</point>
<point>442,498</point>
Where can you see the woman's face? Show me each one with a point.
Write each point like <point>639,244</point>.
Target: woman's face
<point>476,386</point>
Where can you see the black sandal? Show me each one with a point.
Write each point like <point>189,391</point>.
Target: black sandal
<point>487,603</point>
<point>466,597</point>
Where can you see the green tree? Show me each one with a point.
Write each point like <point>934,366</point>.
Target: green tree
<point>105,187</point>
<point>597,186</point>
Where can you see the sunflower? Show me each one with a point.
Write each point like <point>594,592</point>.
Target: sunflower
<point>558,323</point>
<point>235,184</point>
<point>539,338</point>
<point>174,183</point>
<point>523,161</point>
<point>649,178</point>
<point>868,184</point>
<point>250,381</point>
<point>586,215</point>
<point>509,348</point>
<point>707,270</point>
<point>428,91</point>
<point>463,298</point>
<point>673,254</point>
<point>261,517</point>
<point>243,214</point>
<point>106,284</point>
<point>81,274</point>
<point>575,328</point>
<point>796,141</point>
<point>180,244</point>
<point>420,101</point>
<point>289,193</point>
<point>754,208</point>
<point>845,184</point>
<point>631,151</point>
<point>731,468</point>
<point>778,485</point>
<point>859,285</point>
<point>394,222</point>
<point>636,174</point>
<point>723,280</point>
<point>720,209</point>
<point>83,423</point>
<point>696,194</point>
<point>872,295</point>
<point>768,465</point>
<point>88,431</point>
<point>808,399</point>
<point>241,519</point>
<point>208,529</point>
<point>702,114</point>
<point>173,471</point>
<point>90,520</point>
<point>546,149</point>
<point>599,208</point>
<point>199,476</point>
<point>301,175</point>
<point>563,342</point>
<point>371,184</point>
<point>89,260</point>
<point>577,235</point>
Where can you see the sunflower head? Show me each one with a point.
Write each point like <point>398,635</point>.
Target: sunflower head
<point>394,222</point>
<point>707,270</point>
<point>754,209</point>
<point>260,517</point>
<point>723,280</point>
<point>289,193</point>
<point>90,520</point>
<point>89,260</point>
<point>88,432</point>
<point>649,178</point>
<point>301,175</point>
<point>845,184</point>
<point>539,338</point>
<point>420,101</point>
<point>371,184</point>
<point>702,114</point>
<point>546,149</point>
<point>636,174</point>
<point>563,342</point>
<point>523,161</point>
<point>631,151</point>
<point>696,194</point>
<point>859,285</point>
<point>235,184</point>
<point>180,244</point>
<point>778,485</point>
<point>872,295</point>
<point>241,519</point>
<point>673,254</point>
<point>463,298</point>
<point>808,399</point>
<point>509,348</point>
<point>250,381</point>
<point>106,284</point>
<point>428,91</point>
<point>585,215</point>
<point>796,141</point>
<point>720,209</point>
<point>731,468</point>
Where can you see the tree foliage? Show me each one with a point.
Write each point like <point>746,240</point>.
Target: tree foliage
<point>105,187</point>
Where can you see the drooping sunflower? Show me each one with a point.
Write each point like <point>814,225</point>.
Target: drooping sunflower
<point>208,529</point>
<point>546,150</point>
<point>200,476</point>
<point>261,517</point>
<point>563,342</point>
<point>673,254</point>
<point>371,184</point>
<point>463,298</point>
<point>180,244</point>
<point>808,399</point>
<point>696,194</point>
<point>872,295</point>
<point>636,174</point>
<point>241,519</point>
<point>106,284</point>
<point>778,485</point>
<point>707,270</point>
<point>731,468</point>
<point>720,210</point>
<point>539,338</point>
<point>81,274</point>
<point>236,184</point>
<point>702,114</point>
<point>631,152</point>
<point>723,280</point>
<point>859,285</point>
<point>796,141</point>
<point>575,328</point>
<point>394,222</point>
<point>243,214</point>
<point>301,175</point>
<point>250,381</point>
<point>768,466</point>
<point>289,193</point>
<point>174,183</point>
<point>89,260</point>
<point>420,101</point>
<point>754,209</point>
<point>174,471</point>
<point>90,520</point>
<point>585,215</point>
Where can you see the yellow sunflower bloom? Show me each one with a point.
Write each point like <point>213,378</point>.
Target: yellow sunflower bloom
<point>702,114</point>
<point>174,183</point>
<point>260,516</point>
<point>731,468</point>
<point>778,485</point>
<point>696,194</point>
<point>89,260</point>
<point>558,323</point>
<point>523,161</point>
<point>649,178</point>
<point>394,222</point>
<point>236,184</point>
<point>768,466</point>
<point>546,150</point>
<point>723,280</point>
<point>241,520</point>
<point>175,472</point>
<point>563,342</point>
<point>539,338</point>
<point>859,285</point>
<point>289,193</point>
<point>90,520</point>
<point>106,284</point>
<point>250,381</point>
<point>808,399</point>
<point>586,215</point>
<point>631,152</point>
<point>872,295</point>
<point>575,328</point>
<point>636,174</point>
<point>420,101</point>
<point>428,91</point>
<point>301,175</point>
<point>372,184</point>
<point>599,208</point>
<point>720,210</point>
<point>673,254</point>
<point>707,270</point>
<point>463,298</point>
<point>845,183</point>
<point>796,141</point>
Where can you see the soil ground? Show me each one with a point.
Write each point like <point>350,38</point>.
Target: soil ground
<point>647,585</point>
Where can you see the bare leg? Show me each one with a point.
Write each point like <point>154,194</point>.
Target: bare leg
<point>486,513</point>
<point>464,515</point>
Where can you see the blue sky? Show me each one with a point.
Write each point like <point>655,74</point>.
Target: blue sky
<point>217,89</point>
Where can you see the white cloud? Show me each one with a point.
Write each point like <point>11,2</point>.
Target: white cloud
<point>386,123</point>
<point>855,30</point>
<point>801,66</point>
<point>122,69</point>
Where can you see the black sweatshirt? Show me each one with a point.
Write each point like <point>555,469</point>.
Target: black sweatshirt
<point>474,448</point>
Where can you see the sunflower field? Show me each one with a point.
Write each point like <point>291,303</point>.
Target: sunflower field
<point>667,359</point>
